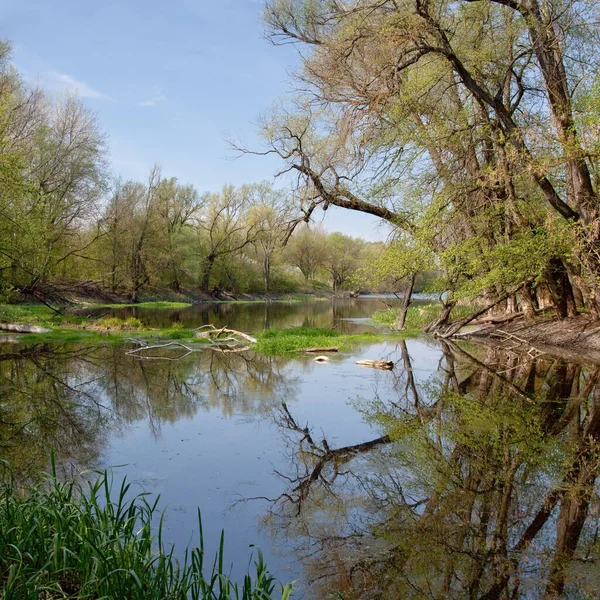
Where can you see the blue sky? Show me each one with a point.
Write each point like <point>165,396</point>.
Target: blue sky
<point>170,81</point>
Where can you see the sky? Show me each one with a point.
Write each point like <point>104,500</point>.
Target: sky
<point>170,82</point>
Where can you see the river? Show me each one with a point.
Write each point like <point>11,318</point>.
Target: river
<point>466,472</point>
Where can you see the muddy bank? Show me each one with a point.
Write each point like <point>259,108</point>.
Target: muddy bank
<point>576,339</point>
<point>65,295</point>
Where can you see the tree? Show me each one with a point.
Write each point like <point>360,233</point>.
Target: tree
<point>344,257</point>
<point>453,120</point>
<point>224,228</point>
<point>54,174</point>
<point>398,262</point>
<point>307,249</point>
<point>177,206</point>
<point>270,213</point>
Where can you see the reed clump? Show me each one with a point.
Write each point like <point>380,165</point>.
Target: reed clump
<point>79,540</point>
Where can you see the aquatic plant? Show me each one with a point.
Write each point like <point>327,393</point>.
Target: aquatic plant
<point>79,540</point>
<point>286,341</point>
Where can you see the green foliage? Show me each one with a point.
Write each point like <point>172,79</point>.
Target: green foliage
<point>397,261</point>
<point>281,342</point>
<point>115,323</point>
<point>526,255</point>
<point>418,317</point>
<point>82,541</point>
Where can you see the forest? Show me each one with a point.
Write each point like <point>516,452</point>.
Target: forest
<point>68,224</point>
<point>471,127</point>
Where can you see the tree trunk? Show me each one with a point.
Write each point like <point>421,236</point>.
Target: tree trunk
<point>206,272</point>
<point>267,272</point>
<point>399,325</point>
<point>443,318</point>
<point>527,303</point>
<point>561,289</point>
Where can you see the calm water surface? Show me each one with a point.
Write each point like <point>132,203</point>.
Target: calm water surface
<point>466,472</point>
<point>348,315</point>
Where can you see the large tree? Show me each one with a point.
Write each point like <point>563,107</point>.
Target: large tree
<point>455,121</point>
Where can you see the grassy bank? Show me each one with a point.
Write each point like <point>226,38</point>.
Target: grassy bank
<point>65,540</point>
<point>77,328</point>
<point>418,317</point>
<point>283,342</point>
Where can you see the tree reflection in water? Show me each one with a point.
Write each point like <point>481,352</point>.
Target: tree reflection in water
<point>70,399</point>
<point>482,485</point>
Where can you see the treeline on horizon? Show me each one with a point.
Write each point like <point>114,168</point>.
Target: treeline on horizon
<point>67,222</point>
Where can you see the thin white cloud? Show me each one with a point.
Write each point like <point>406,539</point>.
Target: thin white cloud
<point>156,99</point>
<point>74,85</point>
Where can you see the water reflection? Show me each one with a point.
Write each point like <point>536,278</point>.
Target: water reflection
<point>348,315</point>
<point>72,399</point>
<point>481,486</point>
<point>467,472</point>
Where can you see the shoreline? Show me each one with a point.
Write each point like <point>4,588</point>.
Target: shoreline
<point>576,339</point>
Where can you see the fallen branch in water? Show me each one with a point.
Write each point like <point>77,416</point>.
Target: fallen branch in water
<point>212,333</point>
<point>159,346</point>
<point>321,349</point>
<point>387,365</point>
<point>20,328</point>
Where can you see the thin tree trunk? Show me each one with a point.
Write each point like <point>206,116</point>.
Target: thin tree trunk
<point>399,325</point>
<point>206,272</point>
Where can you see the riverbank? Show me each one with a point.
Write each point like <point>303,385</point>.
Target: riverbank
<point>576,339</point>
<point>73,328</point>
<point>85,295</point>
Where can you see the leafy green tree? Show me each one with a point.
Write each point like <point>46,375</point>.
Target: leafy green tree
<point>307,250</point>
<point>344,257</point>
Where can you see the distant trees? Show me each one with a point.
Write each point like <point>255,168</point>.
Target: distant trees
<point>271,213</point>
<point>225,228</point>
<point>307,250</point>
<point>64,221</point>
<point>344,255</point>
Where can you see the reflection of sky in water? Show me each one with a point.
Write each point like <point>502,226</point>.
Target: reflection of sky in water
<point>211,461</point>
<point>207,431</point>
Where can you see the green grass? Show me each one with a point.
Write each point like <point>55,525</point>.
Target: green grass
<point>282,342</point>
<point>82,541</point>
<point>113,336</point>
<point>418,317</point>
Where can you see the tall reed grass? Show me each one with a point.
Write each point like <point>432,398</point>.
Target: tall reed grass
<point>81,540</point>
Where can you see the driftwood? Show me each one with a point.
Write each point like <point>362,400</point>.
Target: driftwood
<point>212,333</point>
<point>144,348</point>
<point>495,319</point>
<point>321,349</point>
<point>19,328</point>
<point>376,364</point>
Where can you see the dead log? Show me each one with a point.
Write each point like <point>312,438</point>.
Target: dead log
<point>321,349</point>
<point>376,364</point>
<point>457,325</point>
<point>495,319</point>
<point>21,328</point>
<point>212,333</point>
